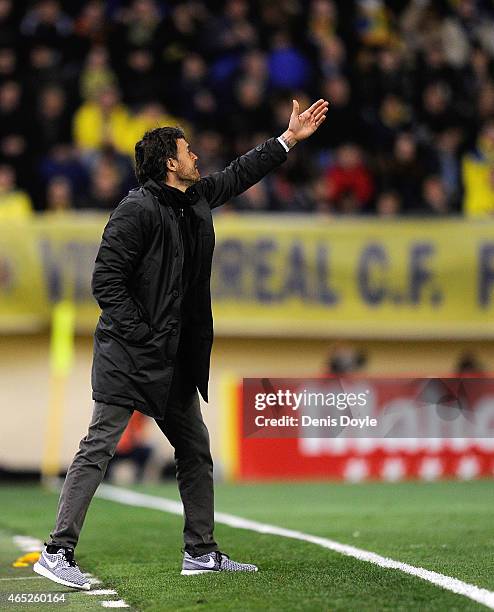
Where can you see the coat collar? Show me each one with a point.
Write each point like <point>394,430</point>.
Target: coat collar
<point>191,193</point>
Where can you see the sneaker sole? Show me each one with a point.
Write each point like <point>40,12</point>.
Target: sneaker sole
<point>43,571</point>
<point>205,571</point>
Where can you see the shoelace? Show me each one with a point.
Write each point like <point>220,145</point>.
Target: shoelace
<point>68,555</point>
<point>219,557</point>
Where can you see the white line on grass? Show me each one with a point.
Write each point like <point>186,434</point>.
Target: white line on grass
<point>132,498</point>
<point>25,578</point>
<point>27,544</point>
<point>91,578</point>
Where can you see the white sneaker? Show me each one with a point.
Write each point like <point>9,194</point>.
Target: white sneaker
<point>60,567</point>
<point>213,562</point>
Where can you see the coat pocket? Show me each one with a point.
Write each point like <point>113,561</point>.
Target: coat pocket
<point>140,334</point>
<point>147,359</point>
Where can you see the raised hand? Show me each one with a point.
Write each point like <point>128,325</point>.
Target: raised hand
<point>303,125</point>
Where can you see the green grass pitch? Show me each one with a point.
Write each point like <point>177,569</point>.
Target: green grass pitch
<point>447,527</point>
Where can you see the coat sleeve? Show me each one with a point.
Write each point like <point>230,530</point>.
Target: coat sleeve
<point>120,251</point>
<point>242,173</point>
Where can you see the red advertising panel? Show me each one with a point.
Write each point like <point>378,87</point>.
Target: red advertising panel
<point>426,429</point>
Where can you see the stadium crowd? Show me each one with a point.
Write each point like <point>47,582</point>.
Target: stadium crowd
<point>410,83</point>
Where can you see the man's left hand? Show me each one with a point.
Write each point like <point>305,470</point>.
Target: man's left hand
<point>303,125</point>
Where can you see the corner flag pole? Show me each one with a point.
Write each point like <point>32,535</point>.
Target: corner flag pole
<point>61,360</point>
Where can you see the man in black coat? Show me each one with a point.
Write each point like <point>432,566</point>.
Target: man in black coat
<point>153,340</point>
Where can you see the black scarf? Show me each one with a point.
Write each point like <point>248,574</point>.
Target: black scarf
<point>180,203</point>
<point>181,207</point>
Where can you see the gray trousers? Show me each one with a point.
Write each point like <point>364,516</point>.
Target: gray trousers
<point>185,429</point>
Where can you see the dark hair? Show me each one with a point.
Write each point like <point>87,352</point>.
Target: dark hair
<point>153,151</point>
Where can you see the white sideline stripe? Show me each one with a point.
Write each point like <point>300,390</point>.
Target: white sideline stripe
<point>132,498</point>
<point>115,603</point>
<point>25,578</point>
<point>101,592</point>
<point>91,578</point>
<point>28,544</point>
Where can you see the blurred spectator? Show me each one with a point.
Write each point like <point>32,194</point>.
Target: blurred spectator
<point>12,119</point>
<point>322,22</point>
<point>209,146</point>
<point>345,120</point>
<point>373,23</point>
<point>229,35</point>
<point>97,74</point>
<point>282,192</point>
<point>485,103</point>
<point>434,197</point>
<point>140,80</point>
<point>103,121</point>
<point>391,74</point>
<point>276,15</point>
<point>332,58</point>
<point>405,170</point>
<point>139,28</point>
<point>251,111</point>
<point>314,196</point>
<point>198,103</point>
<point>48,65</point>
<point>105,189</point>
<point>13,131</point>
<point>447,151</point>
<point>288,67</point>
<point>350,183</point>
<point>8,64</point>
<point>62,160</point>
<point>467,24</point>
<point>388,204</point>
<point>434,69</point>
<point>255,199</point>
<point>437,114</point>
<point>14,203</point>
<point>477,72</point>
<point>183,33</point>
<point>478,175</point>
<point>255,66</point>
<point>59,195</point>
<point>107,156</point>
<point>46,24</point>
<point>52,121</point>
<point>91,27</point>
<point>393,116</point>
<point>9,30</point>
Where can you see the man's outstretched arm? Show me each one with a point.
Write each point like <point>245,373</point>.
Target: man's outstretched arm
<point>250,168</point>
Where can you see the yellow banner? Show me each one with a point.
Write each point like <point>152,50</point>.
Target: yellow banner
<point>277,275</point>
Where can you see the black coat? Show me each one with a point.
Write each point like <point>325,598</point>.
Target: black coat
<point>137,284</point>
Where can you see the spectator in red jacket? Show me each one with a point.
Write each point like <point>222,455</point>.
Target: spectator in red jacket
<point>350,183</point>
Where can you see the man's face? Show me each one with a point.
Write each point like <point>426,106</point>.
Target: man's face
<point>187,171</point>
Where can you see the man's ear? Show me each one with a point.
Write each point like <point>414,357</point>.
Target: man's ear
<point>171,164</point>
